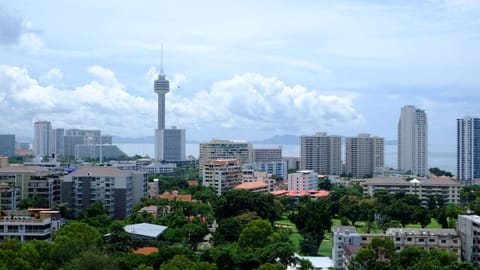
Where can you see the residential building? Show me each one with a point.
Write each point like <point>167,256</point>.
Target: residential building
<point>261,155</point>
<point>58,142</point>
<point>426,239</point>
<point>222,174</point>
<point>363,154</point>
<point>447,189</point>
<point>321,153</point>
<point>277,168</point>
<point>27,226</point>
<point>303,180</point>
<point>24,182</point>
<point>224,149</point>
<point>413,141</point>
<point>342,236</point>
<point>469,230</point>
<point>250,175</point>
<point>7,145</point>
<point>293,163</point>
<point>468,150</point>
<point>113,187</point>
<point>42,138</point>
<point>70,143</point>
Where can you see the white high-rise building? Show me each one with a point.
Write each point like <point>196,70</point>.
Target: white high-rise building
<point>42,138</point>
<point>468,149</point>
<point>413,141</point>
<point>58,142</point>
<point>321,153</point>
<point>169,143</point>
<point>222,174</point>
<point>363,154</point>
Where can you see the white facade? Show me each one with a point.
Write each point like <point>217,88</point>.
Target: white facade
<point>42,139</point>
<point>222,174</point>
<point>303,180</point>
<point>413,141</point>
<point>223,149</point>
<point>321,153</point>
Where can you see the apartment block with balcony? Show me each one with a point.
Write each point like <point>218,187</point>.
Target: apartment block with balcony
<point>447,189</point>
<point>468,227</point>
<point>29,225</point>
<point>222,174</point>
<point>113,187</point>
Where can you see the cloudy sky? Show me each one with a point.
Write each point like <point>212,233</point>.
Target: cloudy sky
<point>239,69</point>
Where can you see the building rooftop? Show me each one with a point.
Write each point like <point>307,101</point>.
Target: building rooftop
<point>252,185</point>
<point>421,232</point>
<point>147,230</point>
<point>395,181</point>
<point>473,218</point>
<point>343,229</point>
<point>145,250</point>
<point>99,171</point>
<point>349,250</point>
<point>23,169</point>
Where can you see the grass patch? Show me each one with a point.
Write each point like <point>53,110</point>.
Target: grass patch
<point>325,248</point>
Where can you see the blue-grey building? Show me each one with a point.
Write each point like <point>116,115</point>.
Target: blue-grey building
<point>468,150</point>
<point>7,145</point>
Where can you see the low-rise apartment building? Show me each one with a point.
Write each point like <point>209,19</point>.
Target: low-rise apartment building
<point>447,189</point>
<point>29,225</point>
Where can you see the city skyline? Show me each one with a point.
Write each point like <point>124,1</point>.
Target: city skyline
<point>343,68</point>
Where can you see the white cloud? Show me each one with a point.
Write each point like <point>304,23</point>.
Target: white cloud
<point>253,101</point>
<point>52,76</point>
<point>247,101</point>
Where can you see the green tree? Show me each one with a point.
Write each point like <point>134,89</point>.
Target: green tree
<point>350,208</point>
<point>271,266</point>
<point>256,234</point>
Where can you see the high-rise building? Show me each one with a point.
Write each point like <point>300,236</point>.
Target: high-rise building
<point>363,154</point>
<point>321,153</point>
<point>7,145</point>
<point>468,150</point>
<point>224,149</point>
<point>42,139</point>
<point>169,143</point>
<point>468,227</point>
<point>413,141</point>
<point>59,142</point>
<point>222,174</point>
<point>173,142</point>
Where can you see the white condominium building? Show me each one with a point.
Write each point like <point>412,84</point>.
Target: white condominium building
<point>413,141</point>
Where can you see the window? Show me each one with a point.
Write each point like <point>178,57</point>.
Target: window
<point>421,240</point>
<point>431,240</point>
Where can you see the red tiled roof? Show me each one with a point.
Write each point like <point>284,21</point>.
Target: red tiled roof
<point>145,250</point>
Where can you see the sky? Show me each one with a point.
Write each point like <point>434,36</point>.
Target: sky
<point>239,69</point>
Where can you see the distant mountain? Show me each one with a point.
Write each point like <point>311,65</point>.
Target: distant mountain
<point>279,139</point>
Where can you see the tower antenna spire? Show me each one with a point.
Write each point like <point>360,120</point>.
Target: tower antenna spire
<point>161,59</point>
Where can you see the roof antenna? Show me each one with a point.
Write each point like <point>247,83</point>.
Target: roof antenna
<point>161,59</point>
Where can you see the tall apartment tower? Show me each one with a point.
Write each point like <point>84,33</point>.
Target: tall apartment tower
<point>413,141</point>
<point>223,149</point>
<point>321,153</point>
<point>468,149</point>
<point>169,143</point>
<point>42,138</point>
<point>363,154</point>
<point>58,142</point>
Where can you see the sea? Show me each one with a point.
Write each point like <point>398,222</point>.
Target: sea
<point>442,156</point>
